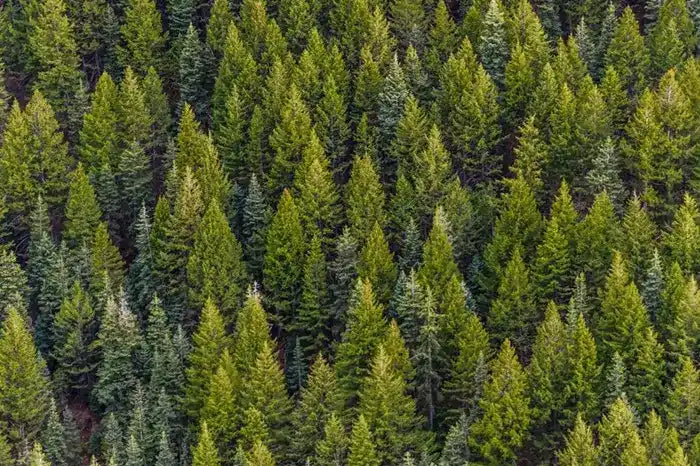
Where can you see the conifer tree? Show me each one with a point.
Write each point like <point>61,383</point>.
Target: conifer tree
<point>681,239</point>
<point>215,268</point>
<point>493,43</point>
<point>74,351</point>
<point>282,270</point>
<point>82,210</point>
<point>428,362</point>
<point>205,453</point>
<point>209,341</point>
<point>332,126</point>
<point>619,436</point>
<point>254,226</point>
<point>135,180</point>
<point>362,451</point>
<point>37,456</point>
<point>627,53</point>
<point>623,318</point>
<point>143,40</point>
<point>316,416</point>
<point>14,282</point>
<point>33,158</point>
<point>344,273</point>
<point>53,437</point>
<point>54,50</point>
<point>376,265</point>
<point>140,280</point>
<point>318,198</point>
<point>312,320</point>
<point>24,389</point>
<point>220,18</point>
<point>579,448</point>
<point>332,448</point>
<point>683,404</point>
<point>288,140</point>
<point>251,333</point>
<point>513,312</point>
<point>120,340</point>
<point>388,410</point>
<point>105,262</point>
<point>98,136</point>
<point>365,330</point>
<point>191,72</point>
<point>265,391</point>
<point>365,199</point>
<point>639,241</point>
<point>505,404</point>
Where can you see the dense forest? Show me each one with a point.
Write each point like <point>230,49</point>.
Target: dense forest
<point>349,232</point>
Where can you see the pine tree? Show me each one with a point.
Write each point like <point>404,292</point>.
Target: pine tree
<point>598,235</point>
<point>24,389</point>
<point>604,175</point>
<point>98,136</point>
<point>494,45</point>
<point>251,334</point>
<point>74,352</point>
<point>191,73</point>
<point>220,409</point>
<point>53,437</point>
<point>165,456</point>
<point>502,429</point>
<point>332,126</point>
<point>14,283</point>
<point>622,321</point>
<point>143,40</point>
<point>120,339</point>
<point>344,274</point>
<point>136,180</point>
<point>105,262</point>
<point>683,404</point>
<point>362,451</point>
<point>684,232</point>
<point>254,226</point>
<point>390,104</point>
<point>265,391</point>
<point>209,341</point>
<point>288,140</point>
<point>365,329</point>
<point>37,456</point>
<point>220,18</point>
<point>215,268</point>
<point>428,361</point>
<point>318,198</point>
<point>282,270</point>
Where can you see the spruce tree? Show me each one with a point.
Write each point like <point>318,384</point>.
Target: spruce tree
<point>344,273</point>
<point>627,53</point>
<point>54,50</point>
<point>312,320</point>
<point>365,199</point>
<point>619,436</point>
<point>332,448</point>
<point>191,73</point>
<point>683,404</point>
<point>579,448</point>
<point>316,416</point>
<point>82,210</point>
<point>205,453</point>
<point>428,362</point>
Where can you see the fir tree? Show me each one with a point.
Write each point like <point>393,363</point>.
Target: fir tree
<point>282,270</point>
<point>683,403</point>
<point>344,274</point>
<point>24,389</point>
<point>627,53</point>
<point>205,453</point>
<point>427,360</point>
<point>215,268</point>
<point>82,211</point>
<point>191,73</point>
<point>119,339</point>
<point>604,176</point>
<point>365,329</point>
<point>494,45</point>
<point>579,448</point>
<point>376,265</point>
<point>209,341</point>
<point>312,321</point>
<point>502,429</point>
<point>332,448</point>
<point>365,199</point>
<point>143,40</point>
<point>362,451</point>
<point>619,436</point>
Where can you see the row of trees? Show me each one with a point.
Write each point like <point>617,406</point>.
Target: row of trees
<point>349,233</point>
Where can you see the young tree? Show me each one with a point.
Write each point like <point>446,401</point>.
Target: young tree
<point>142,38</point>
<point>363,451</point>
